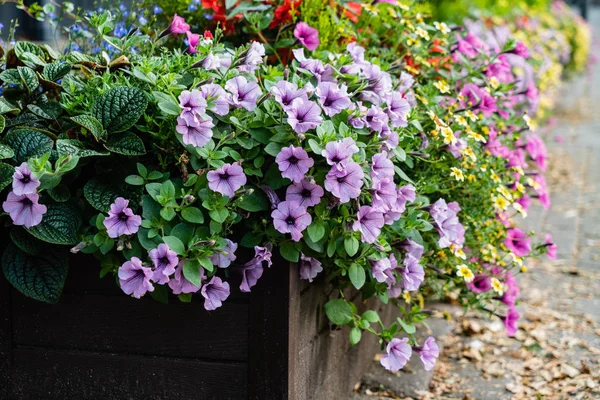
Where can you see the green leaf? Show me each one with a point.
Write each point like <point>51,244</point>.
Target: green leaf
<point>55,71</point>
<point>45,111</point>
<point>5,151</point>
<point>166,103</point>
<point>134,180</point>
<point>191,272</point>
<point>92,125</point>
<point>28,78</point>
<point>100,195</point>
<point>207,264</point>
<point>289,252</point>
<point>6,107</point>
<point>60,225</point>
<point>28,47</point>
<point>174,244</point>
<point>76,148</point>
<point>408,328</point>
<point>351,245</point>
<point>357,275</point>
<point>127,144</point>
<point>27,143</point>
<point>6,173</point>
<point>273,148</point>
<point>316,230</point>
<point>219,215</point>
<point>118,109</point>
<point>32,60</point>
<point>254,202</point>
<point>338,311</point>
<point>193,215</point>
<point>11,77</point>
<point>355,335</point>
<point>183,231</point>
<point>25,241</point>
<point>370,316</point>
<point>160,294</point>
<point>39,277</point>
<point>60,193</point>
<point>2,124</point>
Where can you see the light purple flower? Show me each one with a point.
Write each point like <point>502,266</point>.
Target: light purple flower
<point>222,258</point>
<point>518,242</point>
<point>376,119</point>
<point>193,106</point>
<point>165,260</point>
<point>305,193</point>
<point>333,98</point>
<point>217,97</point>
<point>406,82</point>
<point>227,179</point>
<point>286,92</point>
<point>121,220</point>
<point>291,218</point>
<point>369,223</point>
<point>447,224</point>
<point>24,209</point>
<point>429,353</point>
<point>251,273</point>
<point>398,109</point>
<point>385,195</point>
<point>383,271</point>
<point>243,93</point>
<point>412,274</point>
<point>510,321</point>
<point>382,167</point>
<point>309,37</point>
<point>23,180</point>
<point>180,285</point>
<point>214,292</point>
<point>293,163</point>
<point>356,52</point>
<point>304,115</point>
<point>309,268</point>
<point>345,184</point>
<point>412,248</point>
<point>195,133</point>
<point>339,153</point>
<point>398,352</point>
<point>134,278</point>
<point>252,57</point>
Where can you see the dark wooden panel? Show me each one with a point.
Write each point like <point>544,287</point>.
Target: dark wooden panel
<point>120,324</point>
<point>47,374</point>
<point>5,336</point>
<point>268,330</point>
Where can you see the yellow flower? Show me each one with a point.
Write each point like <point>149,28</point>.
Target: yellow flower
<point>448,135</point>
<point>520,187</point>
<point>403,6</point>
<point>469,153</point>
<point>472,116</point>
<point>504,192</point>
<point>458,252</point>
<point>495,177</point>
<point>531,124</point>
<point>442,27</point>
<point>523,269</point>
<point>422,33</point>
<point>500,202</point>
<point>471,178</point>
<point>497,286</point>
<point>457,174</point>
<point>494,82</point>
<point>465,272</point>
<point>406,296</point>
<point>477,137</point>
<point>442,86</point>
<point>533,183</point>
<point>519,170</point>
<point>462,121</point>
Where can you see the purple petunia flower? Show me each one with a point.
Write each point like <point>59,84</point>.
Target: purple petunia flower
<point>23,180</point>
<point>193,106</point>
<point>447,224</point>
<point>481,283</point>
<point>398,352</point>
<point>214,292</point>
<point>217,97</point>
<point>382,167</point>
<point>134,278</point>
<point>369,223</point>
<point>339,153</point>
<point>376,119</point>
<point>243,93</point>
<point>222,258</point>
<point>333,98</point>
<point>412,274</point>
<point>385,195</point>
<point>293,163</point>
<point>305,193</point>
<point>510,321</point>
<point>309,37</point>
<point>345,184</point>
<point>165,260</point>
<point>397,109</point>
<point>286,92</point>
<point>178,26</point>
<point>412,248</point>
<point>252,57</point>
<point>309,268</point>
<point>304,115</point>
<point>24,209</point>
<point>227,179</point>
<point>121,220</point>
<point>195,133</point>
<point>512,290</point>
<point>383,271</point>
<point>518,242</point>
<point>428,353</point>
<point>253,269</point>
<point>291,218</point>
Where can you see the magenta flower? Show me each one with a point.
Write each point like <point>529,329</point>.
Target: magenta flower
<point>180,285</point>
<point>193,106</point>
<point>214,292</point>
<point>23,180</point>
<point>222,258</point>
<point>243,93</point>
<point>293,163</point>
<point>518,242</point>
<point>552,247</point>
<point>134,278</point>
<point>286,92</point>
<point>121,220</point>
<point>165,260</point>
<point>398,109</point>
<point>369,223</point>
<point>382,167</point>
<point>537,150</point>
<point>521,50</point>
<point>481,283</point>
<point>195,133</point>
<point>178,26</point>
<point>428,353</point>
<point>24,209</point>
<point>398,352</point>
<point>412,274</point>
<point>192,41</point>
<point>309,268</point>
<point>339,153</point>
<point>333,98</point>
<point>309,37</point>
<point>345,184</point>
<point>305,193</point>
<point>465,48</point>
<point>512,290</point>
<point>510,321</point>
<point>304,115</point>
<point>227,179</point>
<point>216,97</point>
<point>291,218</point>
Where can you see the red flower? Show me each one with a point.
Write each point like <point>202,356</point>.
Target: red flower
<point>353,11</point>
<point>208,35</point>
<point>283,13</point>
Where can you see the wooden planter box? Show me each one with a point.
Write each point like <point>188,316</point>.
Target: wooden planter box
<point>98,343</point>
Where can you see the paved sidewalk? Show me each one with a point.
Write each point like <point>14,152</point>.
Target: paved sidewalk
<point>556,353</point>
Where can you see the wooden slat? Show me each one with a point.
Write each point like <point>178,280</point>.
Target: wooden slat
<point>48,374</point>
<point>121,324</point>
<point>5,336</point>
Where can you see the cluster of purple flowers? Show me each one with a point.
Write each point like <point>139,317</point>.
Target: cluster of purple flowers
<point>22,203</point>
